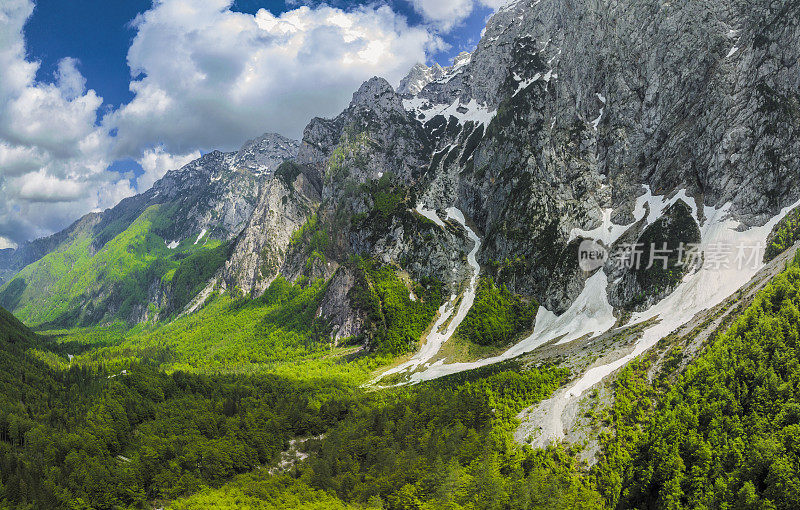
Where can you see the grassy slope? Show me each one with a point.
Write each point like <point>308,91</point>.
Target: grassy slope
<point>57,287</point>
<point>12,331</point>
<point>228,335</point>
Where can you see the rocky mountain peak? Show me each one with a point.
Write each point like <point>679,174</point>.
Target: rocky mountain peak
<point>419,76</point>
<point>264,153</point>
<point>377,94</point>
<point>461,60</point>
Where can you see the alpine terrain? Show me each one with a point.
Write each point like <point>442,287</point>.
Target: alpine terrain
<point>559,273</point>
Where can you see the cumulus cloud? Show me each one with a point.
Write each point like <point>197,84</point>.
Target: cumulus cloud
<point>446,14</point>
<point>53,155</point>
<point>229,76</point>
<point>203,77</point>
<point>156,162</point>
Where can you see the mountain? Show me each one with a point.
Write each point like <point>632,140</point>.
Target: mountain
<point>419,76</point>
<point>121,264</point>
<point>583,232</point>
<point>569,121</point>
<point>629,124</point>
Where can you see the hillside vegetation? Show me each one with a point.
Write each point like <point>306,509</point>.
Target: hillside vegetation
<point>726,434</point>
<point>497,316</point>
<point>113,429</point>
<point>75,285</point>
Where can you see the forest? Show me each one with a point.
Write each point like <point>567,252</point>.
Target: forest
<point>133,427</point>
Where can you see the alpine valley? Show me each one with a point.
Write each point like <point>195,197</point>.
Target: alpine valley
<point>393,312</point>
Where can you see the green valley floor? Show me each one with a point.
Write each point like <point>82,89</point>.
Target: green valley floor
<point>247,405</point>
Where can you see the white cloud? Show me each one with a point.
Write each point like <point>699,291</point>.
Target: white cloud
<point>204,77</point>
<point>41,186</point>
<point>16,160</point>
<point>229,76</point>
<point>156,162</point>
<point>446,14</point>
<point>53,156</point>
<point>70,81</point>
<point>6,243</point>
<point>494,4</point>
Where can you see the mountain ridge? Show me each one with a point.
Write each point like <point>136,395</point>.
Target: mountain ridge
<point>451,295</point>
<point>210,199</point>
<point>570,121</point>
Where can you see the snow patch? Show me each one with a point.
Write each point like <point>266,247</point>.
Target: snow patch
<point>608,232</point>
<point>172,245</point>
<point>424,111</point>
<point>590,314</point>
<point>448,311</point>
<point>596,122</point>
<point>430,214</point>
<point>461,60</point>
<point>202,233</point>
<point>523,84</point>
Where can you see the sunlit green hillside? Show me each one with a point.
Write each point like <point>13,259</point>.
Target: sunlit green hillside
<point>77,285</point>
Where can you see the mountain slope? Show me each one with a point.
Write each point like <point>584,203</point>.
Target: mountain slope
<point>120,280</point>
<point>120,264</point>
<point>571,120</point>
<point>12,331</point>
<point>626,123</point>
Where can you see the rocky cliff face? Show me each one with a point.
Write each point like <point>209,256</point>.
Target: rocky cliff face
<point>285,204</point>
<point>590,101</point>
<point>217,193</point>
<point>574,119</point>
<point>371,158</point>
<point>571,120</point>
<point>419,76</point>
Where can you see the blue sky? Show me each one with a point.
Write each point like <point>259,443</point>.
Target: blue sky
<point>99,99</point>
<point>98,34</point>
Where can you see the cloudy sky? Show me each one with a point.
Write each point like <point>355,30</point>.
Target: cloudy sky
<point>99,99</point>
